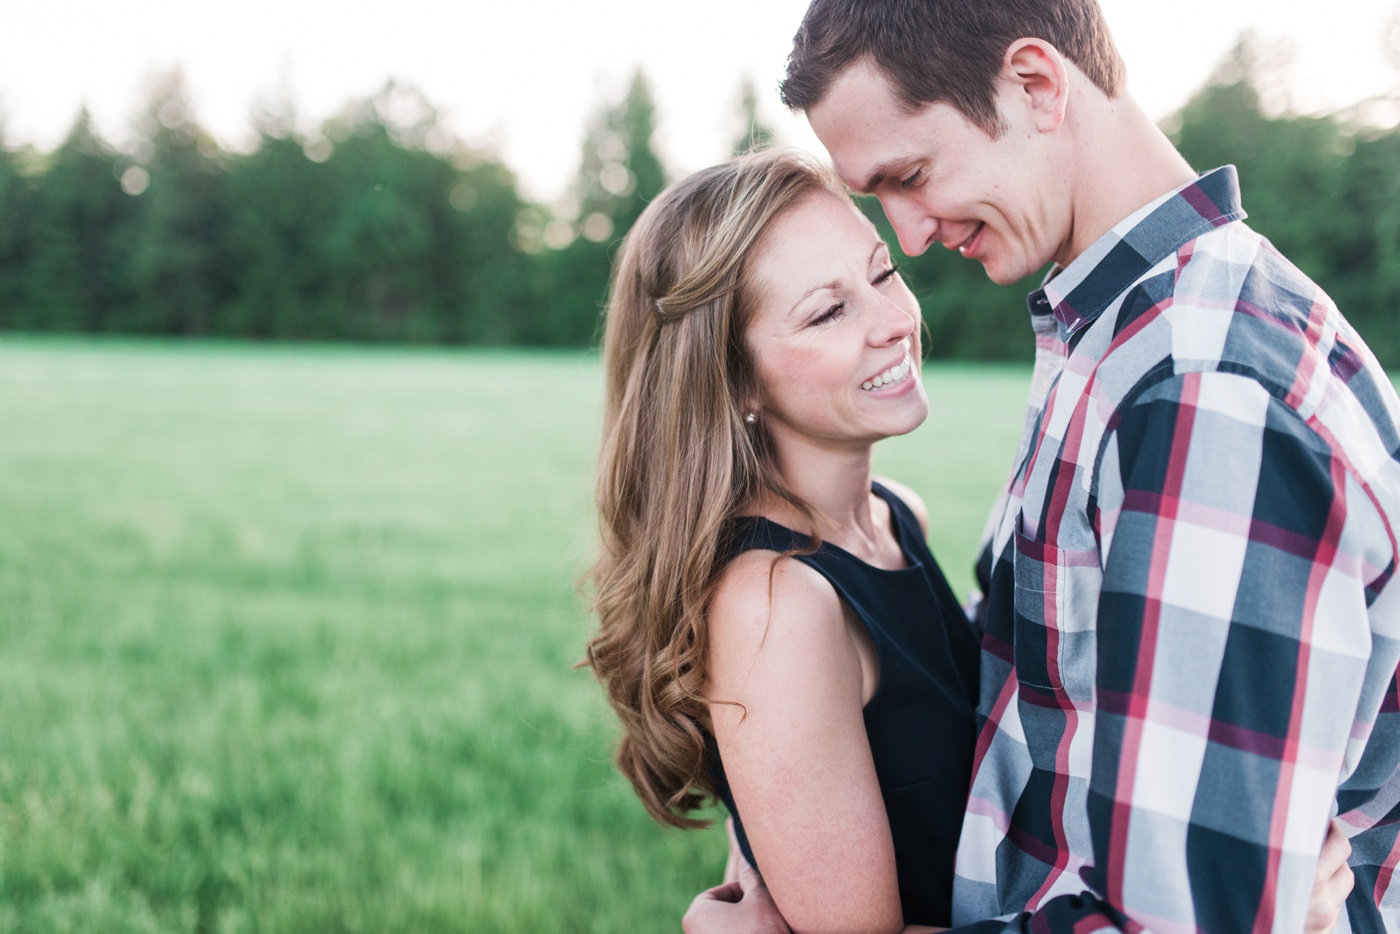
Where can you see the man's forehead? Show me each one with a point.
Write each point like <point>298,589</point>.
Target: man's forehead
<point>858,98</point>
<point>863,126</point>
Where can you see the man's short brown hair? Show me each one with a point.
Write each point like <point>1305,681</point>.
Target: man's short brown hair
<point>943,50</point>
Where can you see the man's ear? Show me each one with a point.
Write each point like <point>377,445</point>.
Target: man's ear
<point>1039,79</point>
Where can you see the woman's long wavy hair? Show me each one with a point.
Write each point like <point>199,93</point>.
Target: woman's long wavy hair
<point>678,461</point>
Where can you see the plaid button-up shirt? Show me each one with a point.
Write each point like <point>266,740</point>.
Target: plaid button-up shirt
<point>1191,623</point>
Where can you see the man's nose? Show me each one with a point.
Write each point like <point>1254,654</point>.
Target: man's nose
<point>912,225</point>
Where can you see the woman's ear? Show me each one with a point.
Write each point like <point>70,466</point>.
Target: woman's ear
<point>1038,80</point>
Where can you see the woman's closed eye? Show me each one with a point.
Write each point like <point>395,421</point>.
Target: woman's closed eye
<point>834,313</point>
<point>838,311</point>
<point>887,274</point>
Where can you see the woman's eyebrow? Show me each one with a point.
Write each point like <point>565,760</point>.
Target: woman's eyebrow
<point>832,285</point>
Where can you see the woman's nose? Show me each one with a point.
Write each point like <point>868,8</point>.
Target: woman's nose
<point>895,323</point>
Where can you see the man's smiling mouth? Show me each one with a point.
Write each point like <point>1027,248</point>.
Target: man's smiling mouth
<point>963,247</point>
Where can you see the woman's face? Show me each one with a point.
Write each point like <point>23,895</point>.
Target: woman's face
<point>834,331</point>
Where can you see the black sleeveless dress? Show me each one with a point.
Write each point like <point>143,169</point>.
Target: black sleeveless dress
<point>921,720</point>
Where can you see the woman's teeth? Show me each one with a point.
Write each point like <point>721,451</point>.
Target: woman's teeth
<point>888,378</point>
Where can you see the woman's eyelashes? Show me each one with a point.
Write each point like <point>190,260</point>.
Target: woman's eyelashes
<point>838,311</point>
<point>834,313</point>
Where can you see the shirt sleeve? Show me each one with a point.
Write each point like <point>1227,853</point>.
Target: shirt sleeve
<point>1233,640</point>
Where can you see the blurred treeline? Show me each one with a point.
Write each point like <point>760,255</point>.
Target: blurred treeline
<point>381,226</point>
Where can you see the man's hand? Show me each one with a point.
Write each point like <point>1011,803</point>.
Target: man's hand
<point>742,907</point>
<point>1333,883</point>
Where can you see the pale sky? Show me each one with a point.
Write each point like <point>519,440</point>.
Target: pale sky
<point>523,75</point>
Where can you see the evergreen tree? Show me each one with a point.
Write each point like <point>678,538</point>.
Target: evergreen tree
<point>378,241</point>
<point>492,278</point>
<point>391,249</point>
<point>619,174</point>
<point>284,204</point>
<point>754,134</point>
<point>1366,283</point>
<point>78,275</point>
<point>1293,172</point>
<point>16,246</point>
<point>180,275</point>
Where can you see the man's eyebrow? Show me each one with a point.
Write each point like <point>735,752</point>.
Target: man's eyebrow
<point>879,174</point>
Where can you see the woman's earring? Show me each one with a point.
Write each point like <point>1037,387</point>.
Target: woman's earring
<point>751,418</point>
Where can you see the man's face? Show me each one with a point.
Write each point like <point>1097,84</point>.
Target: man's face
<point>943,179</point>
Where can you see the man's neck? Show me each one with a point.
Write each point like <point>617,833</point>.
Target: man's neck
<point>1125,162</point>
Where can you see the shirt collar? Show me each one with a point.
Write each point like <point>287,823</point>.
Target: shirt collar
<point>1078,293</point>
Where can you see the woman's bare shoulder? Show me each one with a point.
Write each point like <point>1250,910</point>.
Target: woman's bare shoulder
<point>771,604</point>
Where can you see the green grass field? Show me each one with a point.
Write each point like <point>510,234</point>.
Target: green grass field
<point>288,634</point>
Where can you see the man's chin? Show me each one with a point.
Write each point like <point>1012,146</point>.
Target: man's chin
<point>999,275</point>
<point>1005,273</point>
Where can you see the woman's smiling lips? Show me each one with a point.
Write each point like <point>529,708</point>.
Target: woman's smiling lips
<point>889,376</point>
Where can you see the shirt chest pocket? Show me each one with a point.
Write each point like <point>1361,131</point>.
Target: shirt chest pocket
<point>1056,604</point>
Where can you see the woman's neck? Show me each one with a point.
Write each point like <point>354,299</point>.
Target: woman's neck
<point>835,483</point>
